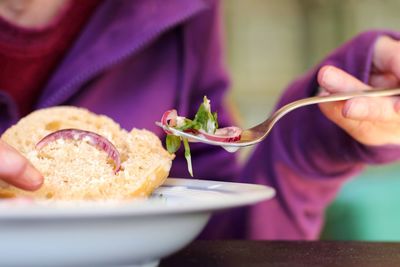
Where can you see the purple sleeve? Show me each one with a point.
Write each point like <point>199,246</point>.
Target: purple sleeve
<point>307,158</point>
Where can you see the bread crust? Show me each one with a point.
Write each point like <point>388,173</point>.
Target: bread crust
<point>75,170</point>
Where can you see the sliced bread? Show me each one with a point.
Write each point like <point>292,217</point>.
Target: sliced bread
<point>77,170</point>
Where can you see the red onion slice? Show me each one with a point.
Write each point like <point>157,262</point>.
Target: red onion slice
<point>227,134</point>
<point>94,139</point>
<point>169,118</point>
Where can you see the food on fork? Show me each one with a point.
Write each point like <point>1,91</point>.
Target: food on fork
<point>204,124</point>
<point>84,156</point>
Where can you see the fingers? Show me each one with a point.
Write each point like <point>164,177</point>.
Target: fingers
<point>386,56</point>
<point>369,120</point>
<point>16,170</point>
<point>385,80</point>
<point>382,109</point>
<point>335,80</point>
<point>361,108</point>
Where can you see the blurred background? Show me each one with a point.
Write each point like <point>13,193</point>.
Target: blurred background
<point>271,42</point>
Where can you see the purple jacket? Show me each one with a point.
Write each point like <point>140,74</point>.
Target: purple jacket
<point>136,59</point>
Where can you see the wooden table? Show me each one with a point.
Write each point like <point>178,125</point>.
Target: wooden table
<point>286,253</point>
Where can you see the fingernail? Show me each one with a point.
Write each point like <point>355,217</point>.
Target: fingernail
<point>331,78</point>
<point>31,177</point>
<point>355,109</point>
<point>17,168</point>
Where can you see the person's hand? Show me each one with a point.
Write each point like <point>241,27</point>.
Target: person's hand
<point>16,170</point>
<point>371,121</point>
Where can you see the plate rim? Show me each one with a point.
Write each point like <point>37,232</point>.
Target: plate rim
<point>241,194</point>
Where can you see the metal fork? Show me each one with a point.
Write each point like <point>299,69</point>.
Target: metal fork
<point>259,132</point>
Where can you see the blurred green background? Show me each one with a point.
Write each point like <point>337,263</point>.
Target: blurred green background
<point>271,42</point>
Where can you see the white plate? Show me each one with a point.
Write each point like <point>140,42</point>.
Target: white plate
<point>134,233</point>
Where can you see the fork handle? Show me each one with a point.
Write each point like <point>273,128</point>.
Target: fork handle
<point>324,99</point>
<point>349,95</point>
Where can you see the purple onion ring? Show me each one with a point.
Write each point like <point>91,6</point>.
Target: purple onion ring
<point>94,139</point>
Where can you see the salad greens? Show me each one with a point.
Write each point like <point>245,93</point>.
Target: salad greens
<point>203,120</point>
<point>173,143</point>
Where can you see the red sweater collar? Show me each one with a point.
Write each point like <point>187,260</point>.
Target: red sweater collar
<point>29,56</point>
